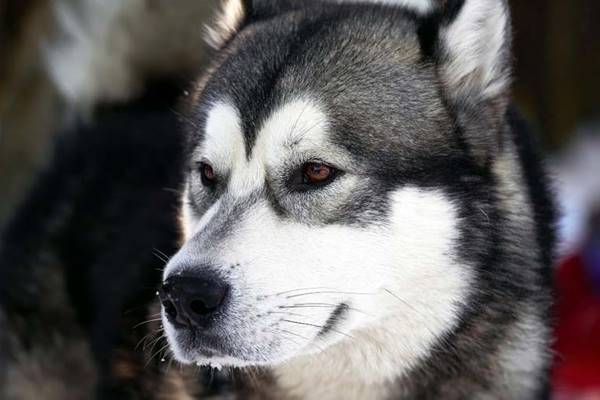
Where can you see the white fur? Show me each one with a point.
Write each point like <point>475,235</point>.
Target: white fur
<point>223,145</point>
<point>226,23</point>
<point>420,6</point>
<point>399,276</point>
<point>474,44</point>
<point>524,356</point>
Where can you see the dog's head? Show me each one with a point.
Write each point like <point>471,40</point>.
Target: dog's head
<point>334,153</point>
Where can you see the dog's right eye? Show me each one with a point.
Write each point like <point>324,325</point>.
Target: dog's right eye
<point>314,173</point>
<point>207,174</point>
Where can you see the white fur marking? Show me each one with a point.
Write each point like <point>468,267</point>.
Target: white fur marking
<point>297,127</point>
<point>223,144</point>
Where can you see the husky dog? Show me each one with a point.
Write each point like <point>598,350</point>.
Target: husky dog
<point>363,213</point>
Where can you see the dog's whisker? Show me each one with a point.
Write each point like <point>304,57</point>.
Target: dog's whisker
<point>146,322</point>
<point>148,337</point>
<point>324,305</point>
<point>158,314</point>
<point>295,342</point>
<point>288,313</point>
<point>161,259</point>
<point>166,346</point>
<point>153,343</point>
<point>294,333</point>
<point>424,321</point>
<point>300,289</point>
<point>143,340</point>
<point>172,190</point>
<point>329,292</point>
<point>410,306</point>
<point>308,340</point>
<point>309,304</point>
<point>153,354</point>
<point>161,255</point>
<point>317,326</point>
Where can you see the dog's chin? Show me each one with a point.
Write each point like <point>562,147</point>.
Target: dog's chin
<point>187,350</point>
<point>204,357</point>
<point>213,359</point>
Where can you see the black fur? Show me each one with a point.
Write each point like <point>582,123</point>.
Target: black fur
<point>80,262</point>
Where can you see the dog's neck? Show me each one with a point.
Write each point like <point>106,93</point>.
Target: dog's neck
<point>365,365</point>
<point>320,377</point>
<point>375,364</point>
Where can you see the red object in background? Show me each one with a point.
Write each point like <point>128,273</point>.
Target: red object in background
<point>576,371</point>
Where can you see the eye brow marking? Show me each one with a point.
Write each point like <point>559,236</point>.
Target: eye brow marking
<point>297,125</point>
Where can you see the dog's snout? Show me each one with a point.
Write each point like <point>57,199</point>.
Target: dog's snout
<point>193,301</point>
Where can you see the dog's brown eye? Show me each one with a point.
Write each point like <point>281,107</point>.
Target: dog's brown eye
<point>207,174</point>
<point>312,175</point>
<point>317,172</point>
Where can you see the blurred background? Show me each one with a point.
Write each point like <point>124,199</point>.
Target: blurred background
<point>67,61</point>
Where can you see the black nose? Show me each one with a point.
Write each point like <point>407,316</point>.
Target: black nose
<point>192,301</point>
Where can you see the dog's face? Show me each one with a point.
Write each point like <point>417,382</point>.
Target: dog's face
<point>326,190</point>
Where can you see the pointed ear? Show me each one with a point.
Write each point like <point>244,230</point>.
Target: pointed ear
<point>227,22</point>
<point>474,48</point>
<point>469,40</point>
<point>233,14</point>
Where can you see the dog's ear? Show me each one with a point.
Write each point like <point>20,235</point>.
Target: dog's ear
<point>469,40</point>
<point>228,20</point>
<point>233,14</point>
<point>474,47</point>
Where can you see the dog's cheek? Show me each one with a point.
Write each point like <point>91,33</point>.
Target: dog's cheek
<point>428,285</point>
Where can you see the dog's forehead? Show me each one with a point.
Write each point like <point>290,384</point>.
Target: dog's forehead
<point>297,124</point>
<point>283,81</point>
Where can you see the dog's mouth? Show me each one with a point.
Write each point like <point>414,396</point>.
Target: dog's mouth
<point>235,348</point>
